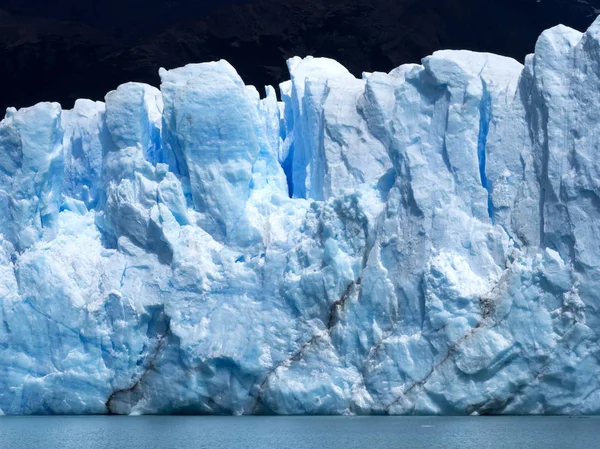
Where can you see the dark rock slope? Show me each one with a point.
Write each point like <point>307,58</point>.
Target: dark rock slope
<point>66,49</point>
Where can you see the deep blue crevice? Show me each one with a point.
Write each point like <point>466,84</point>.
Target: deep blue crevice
<point>484,125</point>
<point>286,164</point>
<point>286,134</point>
<point>515,243</point>
<point>123,275</point>
<point>154,153</point>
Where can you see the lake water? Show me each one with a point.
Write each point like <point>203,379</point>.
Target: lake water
<point>148,432</point>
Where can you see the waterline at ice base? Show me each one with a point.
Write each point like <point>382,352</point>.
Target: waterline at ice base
<point>420,242</point>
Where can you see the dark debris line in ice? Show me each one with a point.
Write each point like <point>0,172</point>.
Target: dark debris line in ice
<point>487,306</point>
<point>148,366</point>
<point>334,311</point>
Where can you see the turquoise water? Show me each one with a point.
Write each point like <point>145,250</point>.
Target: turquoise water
<point>147,432</point>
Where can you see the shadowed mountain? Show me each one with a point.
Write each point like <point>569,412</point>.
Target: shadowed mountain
<point>65,49</point>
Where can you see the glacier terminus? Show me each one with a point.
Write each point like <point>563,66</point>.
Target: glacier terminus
<point>424,241</point>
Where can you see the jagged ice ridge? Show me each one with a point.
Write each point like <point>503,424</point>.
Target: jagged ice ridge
<point>420,242</point>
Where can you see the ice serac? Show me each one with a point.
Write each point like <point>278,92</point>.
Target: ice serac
<point>327,120</point>
<point>424,241</point>
<point>220,137</point>
<point>32,165</point>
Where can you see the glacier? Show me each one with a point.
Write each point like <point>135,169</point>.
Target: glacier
<point>424,241</point>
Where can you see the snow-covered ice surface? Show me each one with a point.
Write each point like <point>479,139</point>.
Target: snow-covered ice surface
<point>420,242</point>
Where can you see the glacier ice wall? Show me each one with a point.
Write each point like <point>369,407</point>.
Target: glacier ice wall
<point>420,242</point>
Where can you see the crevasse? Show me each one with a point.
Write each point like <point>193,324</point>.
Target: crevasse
<point>484,125</point>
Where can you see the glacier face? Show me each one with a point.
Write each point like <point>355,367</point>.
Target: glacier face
<point>420,242</point>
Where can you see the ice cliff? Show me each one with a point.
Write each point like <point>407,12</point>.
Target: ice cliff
<point>420,242</point>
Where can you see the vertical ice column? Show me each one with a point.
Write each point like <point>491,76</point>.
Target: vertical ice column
<point>136,205</point>
<point>135,118</point>
<point>309,89</point>
<point>553,111</point>
<point>85,140</point>
<point>439,201</point>
<point>267,173</point>
<point>474,84</point>
<point>348,155</point>
<point>564,124</point>
<point>330,146</point>
<point>212,128</point>
<point>31,168</point>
